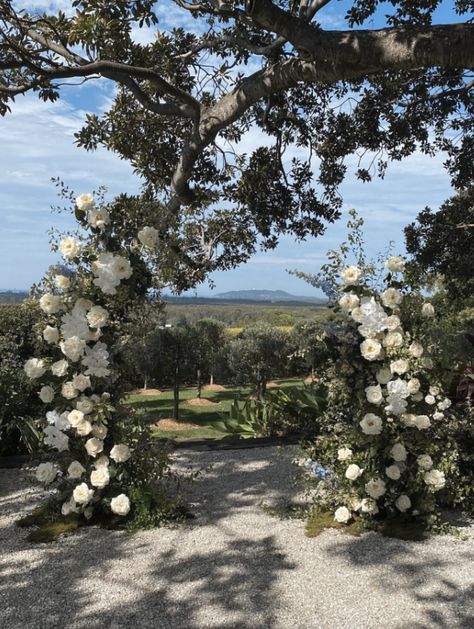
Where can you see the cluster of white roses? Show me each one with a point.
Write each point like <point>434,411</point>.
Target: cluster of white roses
<point>76,412</point>
<point>394,398</point>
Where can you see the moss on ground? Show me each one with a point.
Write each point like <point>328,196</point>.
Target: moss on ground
<point>53,530</point>
<point>317,522</point>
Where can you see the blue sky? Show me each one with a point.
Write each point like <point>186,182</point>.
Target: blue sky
<point>37,143</point>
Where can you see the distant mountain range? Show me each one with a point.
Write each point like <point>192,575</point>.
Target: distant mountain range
<point>267,295</point>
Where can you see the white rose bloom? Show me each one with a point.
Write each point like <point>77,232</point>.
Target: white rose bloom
<point>120,453</point>
<point>397,405</point>
<point>46,394</point>
<point>94,446</point>
<point>356,314</point>
<point>100,477</point>
<point>430,399</point>
<point>370,349</point>
<point>342,515</point>
<point>55,438</point>
<point>34,368</point>
<point>413,386</point>
<point>425,461</point>
<point>148,236</point>
<point>82,494</point>
<point>399,388</point>
<point>74,324</point>
<point>68,507</point>
<point>120,505</point>
<point>371,424</point>
<point>69,391</point>
<point>416,349</point>
<point>393,472</point>
<point>59,368</point>
<point>393,323</point>
<point>50,303</point>
<point>102,461</point>
<point>75,470</point>
<point>51,335</point>
<point>427,310</point>
<point>391,297</point>
<point>438,416</point>
<point>399,366</point>
<point>121,268</point>
<point>444,404</point>
<point>69,248</point>
<point>422,422</point>
<point>96,360</point>
<point>62,282</point>
<point>98,218</point>
<point>75,417</point>
<point>395,264</point>
<point>353,472</point>
<point>81,382</point>
<point>409,419</point>
<point>433,390</point>
<point>343,454</point>
<point>374,394</point>
<point>427,362</point>
<point>84,428</point>
<point>97,317</point>
<point>73,348</point>
<point>393,339</point>
<point>85,202</point>
<point>403,503</point>
<point>99,431</point>
<point>348,302</point>
<point>417,397</point>
<point>46,473</point>
<point>383,375</point>
<point>435,479</point>
<point>85,404</point>
<point>351,275</point>
<point>369,506</point>
<point>375,488</point>
<point>398,452</point>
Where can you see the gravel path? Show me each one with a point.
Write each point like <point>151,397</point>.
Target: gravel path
<point>233,567</point>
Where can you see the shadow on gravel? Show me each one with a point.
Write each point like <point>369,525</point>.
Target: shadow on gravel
<point>414,567</point>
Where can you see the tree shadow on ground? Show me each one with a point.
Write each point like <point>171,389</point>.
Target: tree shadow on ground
<point>419,570</point>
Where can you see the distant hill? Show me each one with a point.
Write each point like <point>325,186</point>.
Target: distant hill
<point>272,296</point>
<point>12,296</point>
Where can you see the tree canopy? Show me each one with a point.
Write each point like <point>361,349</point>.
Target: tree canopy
<point>186,102</point>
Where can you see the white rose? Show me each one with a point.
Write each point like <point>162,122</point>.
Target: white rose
<point>348,302</point>
<point>81,382</point>
<point>393,323</point>
<point>427,310</point>
<point>148,236</point>
<point>120,504</point>
<point>430,399</point>
<point>371,424</point>
<point>416,349</point>
<point>121,267</point>
<point>395,264</point>
<point>398,388</point>
<point>427,362</point>
<point>342,515</point>
<point>50,334</point>
<point>375,488</point>
<point>353,472</point>
<point>409,419</point>
<point>62,282</point>
<point>438,416</point>
<point>370,349</point>
<point>374,394</point>
<point>100,477</point>
<point>444,404</point>
<point>75,470</point>
<point>399,366</point>
<point>433,390</point>
<point>59,368</point>
<point>102,461</point>
<point>75,417</point>
<point>85,404</point>
<point>393,472</point>
<point>413,386</point>
<point>46,394</point>
<point>425,461</point>
<point>99,431</point>
<point>85,202</point>
<point>69,248</point>
<point>356,314</point>
<point>393,339</point>
<point>398,452</point>
<point>403,503</point>
<point>417,397</point>
<point>422,422</point>
<point>120,453</point>
<point>351,275</point>
<point>50,303</point>
<point>82,494</point>
<point>69,391</point>
<point>98,218</point>
<point>435,479</point>
<point>34,368</point>
<point>84,428</point>
<point>343,454</point>
<point>73,348</point>
<point>369,506</point>
<point>383,375</point>
<point>97,317</point>
<point>391,297</point>
<point>46,473</point>
<point>68,507</point>
<point>94,446</point>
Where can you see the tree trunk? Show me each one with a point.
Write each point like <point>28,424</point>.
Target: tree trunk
<point>263,388</point>
<point>145,383</point>
<point>211,379</point>
<point>199,383</point>
<point>176,394</point>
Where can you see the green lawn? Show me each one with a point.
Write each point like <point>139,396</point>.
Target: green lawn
<point>152,408</point>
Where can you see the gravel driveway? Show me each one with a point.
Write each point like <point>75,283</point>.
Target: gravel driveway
<point>232,567</point>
